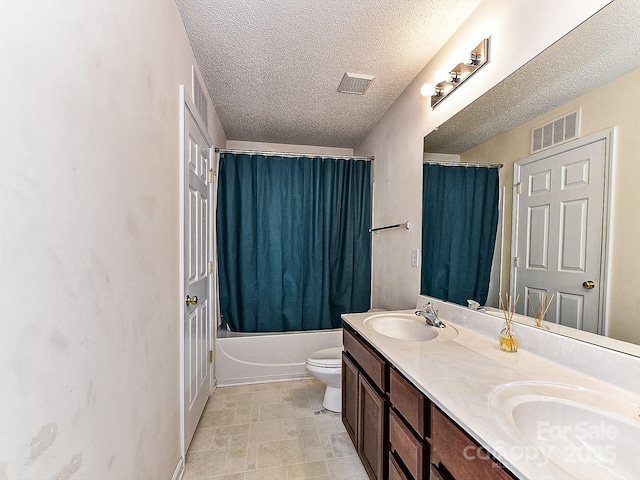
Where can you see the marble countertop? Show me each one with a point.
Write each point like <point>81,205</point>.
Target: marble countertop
<point>460,376</point>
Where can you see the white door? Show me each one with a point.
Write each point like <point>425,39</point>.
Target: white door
<point>197,334</point>
<point>559,234</point>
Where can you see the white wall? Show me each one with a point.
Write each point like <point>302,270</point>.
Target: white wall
<point>519,30</point>
<point>89,249</point>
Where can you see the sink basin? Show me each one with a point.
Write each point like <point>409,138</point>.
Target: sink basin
<point>573,431</point>
<point>408,327</point>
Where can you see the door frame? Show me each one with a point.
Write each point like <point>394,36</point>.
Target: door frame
<point>187,104</point>
<point>608,136</point>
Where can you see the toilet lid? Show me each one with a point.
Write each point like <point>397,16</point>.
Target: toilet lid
<point>329,357</point>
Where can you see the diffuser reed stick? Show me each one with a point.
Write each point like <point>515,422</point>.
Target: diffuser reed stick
<point>543,307</point>
<point>508,341</point>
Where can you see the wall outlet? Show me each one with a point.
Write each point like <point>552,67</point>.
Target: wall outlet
<point>415,257</point>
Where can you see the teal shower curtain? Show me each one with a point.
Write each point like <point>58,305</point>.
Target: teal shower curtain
<point>459,225</point>
<point>294,249</point>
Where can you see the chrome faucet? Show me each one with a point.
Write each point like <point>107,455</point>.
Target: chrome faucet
<point>431,316</point>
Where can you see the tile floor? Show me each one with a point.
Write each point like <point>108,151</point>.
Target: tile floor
<point>271,431</point>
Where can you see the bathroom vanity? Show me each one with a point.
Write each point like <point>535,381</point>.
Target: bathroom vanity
<point>454,406</point>
<point>398,432</point>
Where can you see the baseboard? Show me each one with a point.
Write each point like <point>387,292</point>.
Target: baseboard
<point>179,472</point>
<point>229,382</point>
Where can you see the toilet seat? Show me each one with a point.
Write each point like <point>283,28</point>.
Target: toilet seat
<point>326,358</point>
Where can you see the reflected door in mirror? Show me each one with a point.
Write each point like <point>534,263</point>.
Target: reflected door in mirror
<point>559,228</point>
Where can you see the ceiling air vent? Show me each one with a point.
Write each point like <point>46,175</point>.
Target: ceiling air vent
<point>355,83</point>
<point>558,131</point>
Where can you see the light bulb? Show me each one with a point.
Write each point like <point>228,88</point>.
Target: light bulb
<point>427,90</point>
<point>462,56</point>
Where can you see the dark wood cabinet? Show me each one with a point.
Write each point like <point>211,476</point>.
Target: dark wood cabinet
<point>364,403</point>
<point>395,470</point>
<point>410,402</point>
<point>456,454</point>
<point>409,426</point>
<point>366,358</point>
<point>371,429</point>
<point>437,472</point>
<point>398,433</point>
<point>350,397</point>
<point>407,447</point>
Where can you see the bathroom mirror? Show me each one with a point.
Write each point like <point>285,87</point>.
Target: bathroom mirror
<point>594,68</point>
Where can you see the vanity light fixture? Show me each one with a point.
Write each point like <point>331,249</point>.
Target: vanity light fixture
<point>478,57</point>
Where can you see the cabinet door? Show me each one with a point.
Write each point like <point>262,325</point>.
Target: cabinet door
<point>371,433</point>
<point>349,397</point>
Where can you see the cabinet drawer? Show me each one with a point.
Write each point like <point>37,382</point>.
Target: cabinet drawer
<point>436,473</point>
<point>369,361</point>
<point>410,402</point>
<point>395,470</point>
<point>459,453</point>
<point>404,443</point>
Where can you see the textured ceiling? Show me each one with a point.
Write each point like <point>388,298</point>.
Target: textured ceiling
<point>273,67</point>
<point>600,50</point>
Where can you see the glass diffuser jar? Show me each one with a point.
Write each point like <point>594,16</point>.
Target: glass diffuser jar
<point>508,341</point>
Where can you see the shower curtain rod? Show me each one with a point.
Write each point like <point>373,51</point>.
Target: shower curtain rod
<point>462,164</point>
<point>290,154</point>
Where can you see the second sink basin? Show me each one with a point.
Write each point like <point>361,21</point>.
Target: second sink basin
<point>582,433</point>
<point>408,327</point>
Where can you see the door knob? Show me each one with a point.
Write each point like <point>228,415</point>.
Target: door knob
<point>194,300</point>
<point>589,284</point>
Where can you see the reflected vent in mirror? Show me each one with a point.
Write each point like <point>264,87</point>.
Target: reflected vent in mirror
<point>558,131</point>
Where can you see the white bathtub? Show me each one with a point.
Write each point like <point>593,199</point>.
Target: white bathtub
<point>267,357</point>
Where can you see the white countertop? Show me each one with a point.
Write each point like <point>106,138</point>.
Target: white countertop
<point>460,375</point>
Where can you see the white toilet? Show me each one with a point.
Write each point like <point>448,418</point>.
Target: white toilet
<point>326,366</point>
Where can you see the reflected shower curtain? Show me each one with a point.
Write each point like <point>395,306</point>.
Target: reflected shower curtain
<point>459,224</point>
<point>293,241</point>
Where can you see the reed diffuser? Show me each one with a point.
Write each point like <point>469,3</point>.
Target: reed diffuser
<point>543,306</point>
<point>508,341</point>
